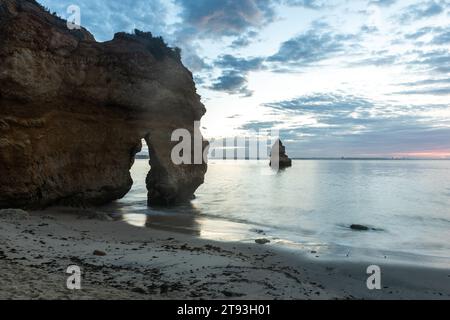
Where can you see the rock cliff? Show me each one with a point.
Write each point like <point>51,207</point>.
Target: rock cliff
<point>278,157</point>
<point>73,112</point>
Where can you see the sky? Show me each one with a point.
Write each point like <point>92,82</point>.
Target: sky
<point>351,78</point>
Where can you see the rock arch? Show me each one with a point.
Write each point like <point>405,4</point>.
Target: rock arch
<point>73,111</point>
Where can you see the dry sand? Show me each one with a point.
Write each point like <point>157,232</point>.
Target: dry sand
<point>143,263</point>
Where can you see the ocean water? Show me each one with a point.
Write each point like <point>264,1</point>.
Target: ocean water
<point>312,205</point>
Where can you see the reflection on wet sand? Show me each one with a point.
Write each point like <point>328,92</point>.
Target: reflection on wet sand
<point>183,219</point>
<point>189,220</point>
<point>186,222</point>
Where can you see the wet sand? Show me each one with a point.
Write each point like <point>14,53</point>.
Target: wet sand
<point>145,263</point>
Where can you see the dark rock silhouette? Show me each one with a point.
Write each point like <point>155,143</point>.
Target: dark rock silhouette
<point>278,157</point>
<point>359,227</point>
<point>73,112</point>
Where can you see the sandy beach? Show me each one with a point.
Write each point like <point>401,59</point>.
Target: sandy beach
<point>119,261</point>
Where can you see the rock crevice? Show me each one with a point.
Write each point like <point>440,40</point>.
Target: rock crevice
<point>73,112</point>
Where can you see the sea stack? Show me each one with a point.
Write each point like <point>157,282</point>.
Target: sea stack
<point>278,157</point>
<point>73,113</point>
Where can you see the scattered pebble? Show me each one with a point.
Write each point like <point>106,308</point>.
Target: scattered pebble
<point>262,241</point>
<point>99,253</point>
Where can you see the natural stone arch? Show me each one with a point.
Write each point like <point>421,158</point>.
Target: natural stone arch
<point>73,111</point>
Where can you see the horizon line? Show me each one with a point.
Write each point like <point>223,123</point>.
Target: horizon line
<point>146,157</point>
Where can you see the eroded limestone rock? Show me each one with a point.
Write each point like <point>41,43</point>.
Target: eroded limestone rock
<point>73,112</point>
<point>278,157</point>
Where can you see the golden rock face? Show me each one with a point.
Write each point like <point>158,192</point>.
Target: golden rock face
<point>73,112</point>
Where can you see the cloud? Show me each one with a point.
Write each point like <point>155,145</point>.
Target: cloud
<point>241,42</point>
<point>437,61</point>
<point>232,82</point>
<point>235,71</point>
<point>369,29</point>
<point>426,82</point>
<point>193,61</point>
<point>440,35</point>
<point>327,114</point>
<point>422,32</point>
<point>215,19</point>
<point>316,44</point>
<point>343,114</point>
<point>421,10</point>
<point>339,124</point>
<point>260,125</point>
<point>212,18</point>
<point>309,4</point>
<point>239,64</point>
<point>382,3</point>
<point>378,58</point>
<point>245,40</point>
<point>442,38</point>
<point>445,91</point>
<point>323,104</point>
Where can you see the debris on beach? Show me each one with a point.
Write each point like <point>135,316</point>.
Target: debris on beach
<point>262,241</point>
<point>99,253</point>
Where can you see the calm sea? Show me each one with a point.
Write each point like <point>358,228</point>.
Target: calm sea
<point>406,204</point>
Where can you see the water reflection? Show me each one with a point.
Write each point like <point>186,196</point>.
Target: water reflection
<point>189,220</point>
<point>136,220</point>
<point>310,203</point>
<point>182,219</point>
